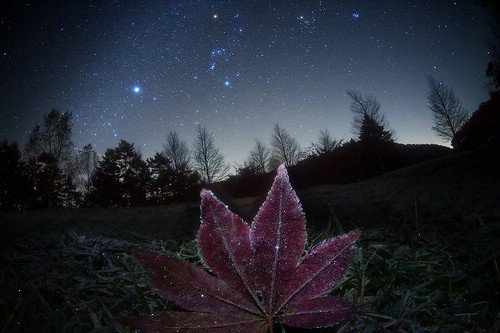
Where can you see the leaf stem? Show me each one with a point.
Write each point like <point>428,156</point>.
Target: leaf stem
<point>271,324</point>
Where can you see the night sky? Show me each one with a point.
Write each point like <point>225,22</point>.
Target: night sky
<point>135,70</point>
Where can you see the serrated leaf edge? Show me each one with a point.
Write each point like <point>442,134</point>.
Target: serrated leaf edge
<point>284,304</point>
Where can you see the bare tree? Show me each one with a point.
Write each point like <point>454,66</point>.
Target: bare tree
<point>259,157</point>
<point>33,148</point>
<point>176,150</point>
<point>372,130</point>
<point>366,109</point>
<point>208,161</point>
<point>285,148</point>
<point>325,144</point>
<point>86,163</point>
<point>54,138</point>
<point>449,114</point>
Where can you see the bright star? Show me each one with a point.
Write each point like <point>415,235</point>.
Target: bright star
<point>137,89</point>
<point>227,83</point>
<point>355,15</point>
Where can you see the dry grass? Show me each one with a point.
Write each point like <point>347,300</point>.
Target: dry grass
<point>428,258</point>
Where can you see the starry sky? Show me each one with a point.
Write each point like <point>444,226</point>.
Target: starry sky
<point>136,70</point>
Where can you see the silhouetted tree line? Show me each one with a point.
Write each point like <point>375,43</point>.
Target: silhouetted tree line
<point>51,172</point>
<point>372,153</point>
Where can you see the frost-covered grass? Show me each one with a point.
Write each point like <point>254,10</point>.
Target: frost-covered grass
<point>440,276</point>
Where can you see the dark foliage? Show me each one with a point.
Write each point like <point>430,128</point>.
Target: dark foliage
<point>167,184</point>
<point>493,71</point>
<point>374,133</point>
<point>247,181</point>
<point>120,178</point>
<point>186,186</point>
<point>13,186</point>
<point>377,148</point>
<point>45,181</point>
<point>161,177</point>
<point>482,130</point>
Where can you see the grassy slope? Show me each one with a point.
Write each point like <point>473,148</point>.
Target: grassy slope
<point>66,270</point>
<point>454,185</point>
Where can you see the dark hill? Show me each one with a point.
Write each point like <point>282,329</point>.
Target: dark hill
<point>349,163</point>
<point>453,185</point>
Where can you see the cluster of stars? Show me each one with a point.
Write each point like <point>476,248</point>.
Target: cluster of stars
<point>136,72</point>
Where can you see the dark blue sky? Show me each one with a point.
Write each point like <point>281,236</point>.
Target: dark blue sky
<point>135,70</point>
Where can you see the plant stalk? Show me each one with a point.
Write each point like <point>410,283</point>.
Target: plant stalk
<point>271,324</point>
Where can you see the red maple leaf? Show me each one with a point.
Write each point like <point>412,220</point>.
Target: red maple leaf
<point>259,275</point>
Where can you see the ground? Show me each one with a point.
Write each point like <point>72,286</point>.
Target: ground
<point>427,258</point>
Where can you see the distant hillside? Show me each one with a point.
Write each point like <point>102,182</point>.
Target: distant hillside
<point>349,163</point>
<point>446,187</point>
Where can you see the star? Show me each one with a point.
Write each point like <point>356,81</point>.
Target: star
<point>355,15</point>
<point>215,16</point>
<point>137,89</point>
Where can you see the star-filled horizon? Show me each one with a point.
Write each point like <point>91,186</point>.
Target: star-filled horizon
<point>136,71</point>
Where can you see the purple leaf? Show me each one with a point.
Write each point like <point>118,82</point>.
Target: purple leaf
<point>195,322</point>
<point>261,277</point>
<point>190,286</point>
<point>318,312</point>
<point>322,268</point>
<point>224,243</point>
<point>278,237</point>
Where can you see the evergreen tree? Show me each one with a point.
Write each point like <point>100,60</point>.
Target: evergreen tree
<point>366,111</point>
<point>161,180</point>
<point>120,178</point>
<point>376,146</point>
<point>375,139</point>
<point>185,185</point>
<point>373,133</point>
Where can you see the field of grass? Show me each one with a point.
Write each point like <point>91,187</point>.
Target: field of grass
<point>404,278</point>
<point>419,267</point>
